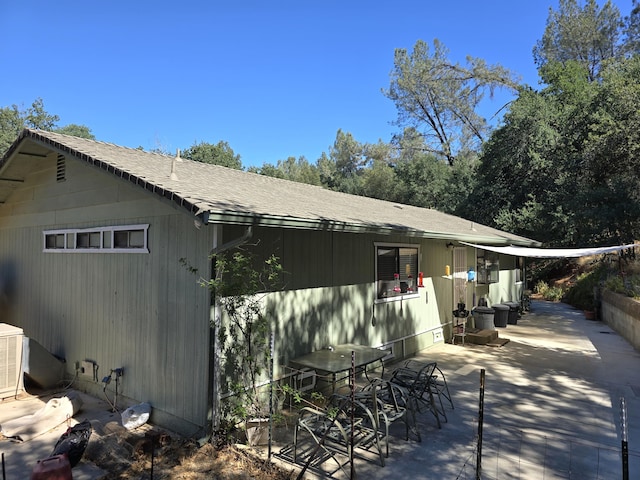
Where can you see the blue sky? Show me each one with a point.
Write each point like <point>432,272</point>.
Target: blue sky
<point>273,79</point>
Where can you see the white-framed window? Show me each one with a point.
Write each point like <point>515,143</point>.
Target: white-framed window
<point>111,239</point>
<point>396,271</point>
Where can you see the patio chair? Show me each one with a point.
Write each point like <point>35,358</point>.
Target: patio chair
<point>388,403</point>
<point>440,383</point>
<point>330,436</point>
<point>332,429</point>
<point>417,380</point>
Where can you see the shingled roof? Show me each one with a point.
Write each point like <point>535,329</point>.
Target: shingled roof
<point>218,194</point>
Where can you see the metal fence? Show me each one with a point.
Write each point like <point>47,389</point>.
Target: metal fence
<point>505,453</point>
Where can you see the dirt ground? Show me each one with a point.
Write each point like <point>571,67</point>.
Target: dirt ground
<point>128,455</point>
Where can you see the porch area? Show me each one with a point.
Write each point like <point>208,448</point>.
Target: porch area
<point>552,408</point>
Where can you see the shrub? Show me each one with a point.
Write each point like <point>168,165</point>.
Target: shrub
<point>580,295</point>
<point>554,294</point>
<point>628,285</point>
<point>551,293</point>
<point>542,287</point>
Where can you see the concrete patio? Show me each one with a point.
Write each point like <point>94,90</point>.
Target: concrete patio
<point>551,406</point>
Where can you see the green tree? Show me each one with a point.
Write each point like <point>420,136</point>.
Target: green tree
<point>13,120</point>
<point>11,123</point>
<point>219,154</point>
<point>299,170</point>
<point>631,31</point>
<point>589,35</point>
<point>268,170</point>
<point>563,167</point>
<point>440,99</point>
<point>342,169</point>
<point>379,178</point>
<point>423,181</point>
<point>37,117</point>
<point>611,151</point>
<point>519,169</point>
<point>75,130</point>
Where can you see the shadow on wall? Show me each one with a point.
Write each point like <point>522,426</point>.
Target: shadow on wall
<point>8,279</point>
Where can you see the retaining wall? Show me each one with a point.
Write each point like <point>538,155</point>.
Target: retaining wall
<point>622,314</point>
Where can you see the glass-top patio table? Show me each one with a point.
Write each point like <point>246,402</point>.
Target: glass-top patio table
<point>338,359</point>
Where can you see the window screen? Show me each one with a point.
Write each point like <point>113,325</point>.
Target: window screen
<point>396,270</point>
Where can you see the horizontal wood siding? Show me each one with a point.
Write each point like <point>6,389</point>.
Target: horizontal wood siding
<point>143,312</point>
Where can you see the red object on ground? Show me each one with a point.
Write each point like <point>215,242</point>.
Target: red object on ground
<point>52,468</point>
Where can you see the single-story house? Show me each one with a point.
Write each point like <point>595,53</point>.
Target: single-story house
<point>92,236</point>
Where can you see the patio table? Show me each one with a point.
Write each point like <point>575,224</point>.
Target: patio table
<point>339,359</point>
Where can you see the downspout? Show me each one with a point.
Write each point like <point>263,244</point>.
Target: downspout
<point>214,319</point>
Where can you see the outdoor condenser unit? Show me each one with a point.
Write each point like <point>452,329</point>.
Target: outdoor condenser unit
<point>10,360</point>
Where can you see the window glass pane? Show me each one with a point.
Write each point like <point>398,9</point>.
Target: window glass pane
<point>82,240</point>
<point>94,240</point>
<point>54,240</point>
<point>120,239</point>
<point>397,270</point>
<point>387,263</point>
<point>408,269</point>
<point>136,238</point>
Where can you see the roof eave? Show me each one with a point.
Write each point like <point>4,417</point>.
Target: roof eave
<point>246,219</point>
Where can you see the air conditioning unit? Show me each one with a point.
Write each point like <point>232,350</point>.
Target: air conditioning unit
<point>10,360</point>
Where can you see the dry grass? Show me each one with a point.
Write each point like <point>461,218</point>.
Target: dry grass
<point>129,457</point>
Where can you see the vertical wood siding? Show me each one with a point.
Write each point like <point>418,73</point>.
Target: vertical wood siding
<point>143,312</point>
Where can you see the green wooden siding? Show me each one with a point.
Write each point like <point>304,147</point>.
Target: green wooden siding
<point>143,312</point>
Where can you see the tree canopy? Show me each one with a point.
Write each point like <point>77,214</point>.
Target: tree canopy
<point>440,99</point>
<point>13,119</point>
<point>563,167</point>
<point>588,35</point>
<point>219,154</point>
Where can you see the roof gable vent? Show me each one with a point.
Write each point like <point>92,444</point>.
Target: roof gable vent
<point>61,169</point>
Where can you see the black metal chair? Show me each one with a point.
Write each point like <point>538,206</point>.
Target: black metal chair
<point>440,384</point>
<point>340,427</point>
<point>416,378</point>
<point>389,403</point>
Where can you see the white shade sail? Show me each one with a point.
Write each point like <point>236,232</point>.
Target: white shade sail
<point>551,252</point>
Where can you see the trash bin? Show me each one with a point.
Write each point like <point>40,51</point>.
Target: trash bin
<point>483,318</point>
<point>501,316</point>
<point>514,312</point>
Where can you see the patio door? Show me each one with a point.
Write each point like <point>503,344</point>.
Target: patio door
<point>460,276</point>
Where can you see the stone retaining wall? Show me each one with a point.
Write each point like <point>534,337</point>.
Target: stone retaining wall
<point>622,314</point>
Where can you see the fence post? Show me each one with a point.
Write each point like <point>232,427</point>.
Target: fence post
<point>352,389</point>
<point>480,421</point>
<point>625,445</point>
<point>271,413</point>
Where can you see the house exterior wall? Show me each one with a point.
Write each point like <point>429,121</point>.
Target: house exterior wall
<point>508,288</point>
<point>329,296</point>
<point>143,312</point>
<point>147,313</point>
